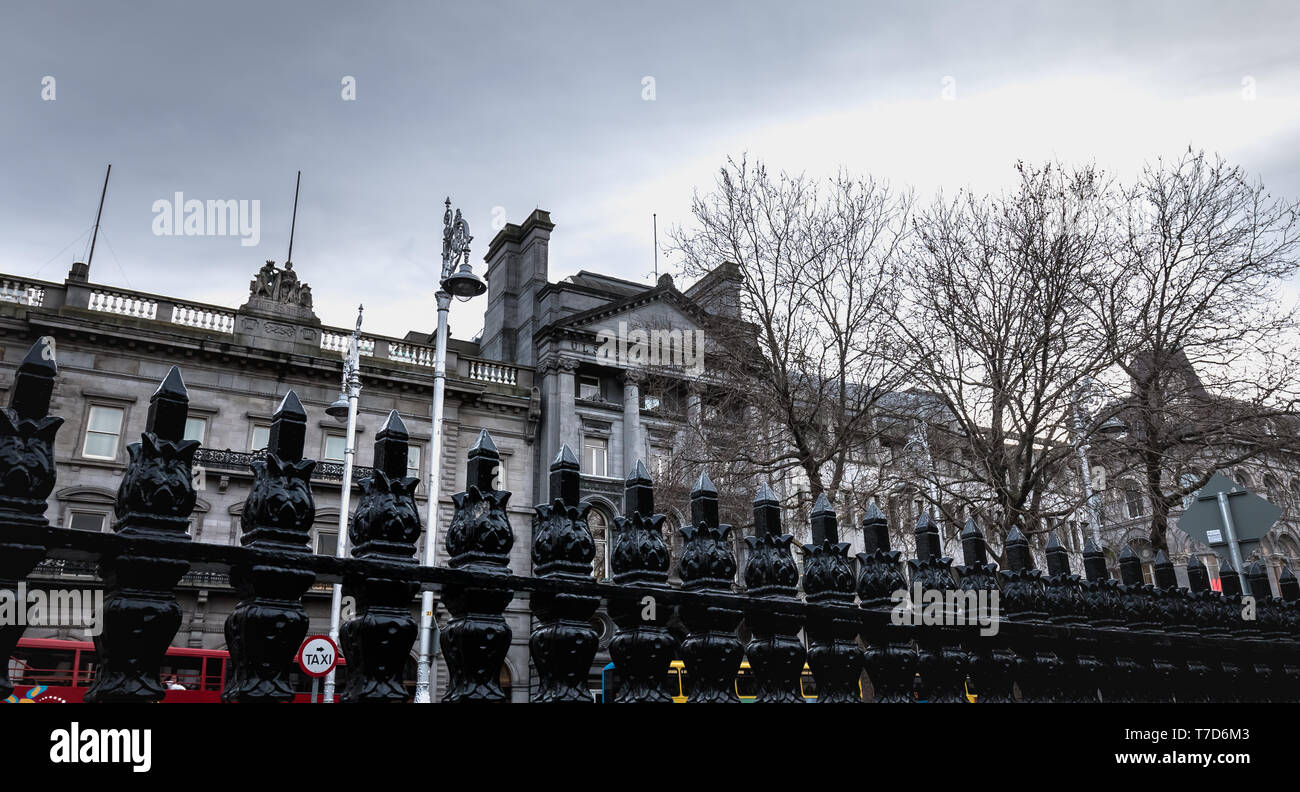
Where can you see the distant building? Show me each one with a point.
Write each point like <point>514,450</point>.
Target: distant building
<point>114,346</point>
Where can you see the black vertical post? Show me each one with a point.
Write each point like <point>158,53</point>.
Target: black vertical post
<point>477,638</point>
<point>154,501</point>
<point>642,648</point>
<point>828,579</point>
<point>775,654</point>
<point>269,623</point>
<point>890,658</point>
<point>563,641</point>
<point>993,665</point>
<point>386,526</point>
<point>27,476</point>
<point>711,651</point>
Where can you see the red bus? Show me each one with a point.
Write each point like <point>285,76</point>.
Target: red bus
<point>53,671</point>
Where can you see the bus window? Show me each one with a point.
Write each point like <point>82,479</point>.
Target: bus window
<point>214,673</point>
<point>187,671</point>
<point>50,667</point>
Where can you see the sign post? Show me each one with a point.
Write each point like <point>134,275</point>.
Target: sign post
<point>1226,513</point>
<point>317,657</point>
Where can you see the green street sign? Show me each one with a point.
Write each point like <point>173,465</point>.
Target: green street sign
<point>1252,516</point>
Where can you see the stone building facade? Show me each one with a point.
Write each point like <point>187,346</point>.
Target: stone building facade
<point>114,347</point>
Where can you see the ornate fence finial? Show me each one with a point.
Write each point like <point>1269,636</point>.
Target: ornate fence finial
<point>878,569</point>
<point>480,536</point>
<point>642,648</point>
<point>926,534</point>
<point>563,642</point>
<point>27,441</point>
<point>1163,571</point>
<point>1063,598</point>
<point>280,509</point>
<point>977,574</point>
<point>387,524</point>
<point>1257,579</point>
<point>640,553</point>
<point>707,563</point>
<point>27,474</point>
<point>266,628</point>
<point>477,638</point>
<point>154,501</point>
<point>833,651</point>
<point>775,653</point>
<point>385,527</point>
<point>890,659</point>
<point>707,560</point>
<point>941,660</point>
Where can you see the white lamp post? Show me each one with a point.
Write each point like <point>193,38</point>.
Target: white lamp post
<point>345,408</point>
<point>457,280</point>
<point>1111,426</point>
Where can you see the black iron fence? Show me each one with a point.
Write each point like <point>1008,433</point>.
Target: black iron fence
<point>1017,633</point>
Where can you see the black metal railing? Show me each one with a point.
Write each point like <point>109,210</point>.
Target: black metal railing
<point>1018,633</point>
<point>225,459</point>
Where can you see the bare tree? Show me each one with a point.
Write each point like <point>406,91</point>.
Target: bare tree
<point>793,381</point>
<point>996,318</point>
<point>1193,315</point>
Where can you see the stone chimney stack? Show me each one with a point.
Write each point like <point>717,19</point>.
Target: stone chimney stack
<point>517,270</point>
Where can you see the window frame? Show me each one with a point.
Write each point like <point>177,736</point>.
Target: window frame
<point>203,419</point>
<point>91,406</point>
<point>604,446</point>
<point>72,511</point>
<point>253,426</point>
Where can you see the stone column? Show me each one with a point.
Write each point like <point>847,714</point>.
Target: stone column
<point>693,405</point>
<point>632,446</point>
<point>570,426</point>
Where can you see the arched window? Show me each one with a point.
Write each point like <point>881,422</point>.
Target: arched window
<point>504,680</point>
<point>1243,479</point>
<point>1272,491</point>
<point>598,523</point>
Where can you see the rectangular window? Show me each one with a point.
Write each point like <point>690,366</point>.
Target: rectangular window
<point>260,438</point>
<point>413,461</point>
<point>595,453</point>
<point>589,388</point>
<point>335,445</point>
<point>103,429</point>
<point>651,402</point>
<point>87,521</point>
<point>196,429</point>
<point>662,461</point>
<point>1133,500</point>
<point>327,543</point>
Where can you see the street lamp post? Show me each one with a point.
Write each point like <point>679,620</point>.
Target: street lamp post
<point>1110,426</point>
<point>457,280</point>
<point>345,408</point>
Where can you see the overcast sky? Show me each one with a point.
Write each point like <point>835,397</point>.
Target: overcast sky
<point>511,106</point>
